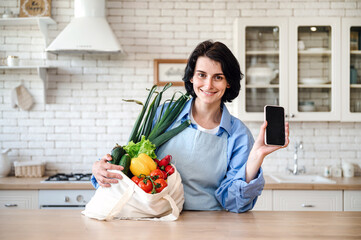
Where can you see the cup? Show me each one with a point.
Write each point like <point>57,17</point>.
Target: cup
<point>301,45</point>
<point>348,170</point>
<point>12,61</point>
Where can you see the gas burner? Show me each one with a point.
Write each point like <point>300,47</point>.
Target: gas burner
<point>69,177</point>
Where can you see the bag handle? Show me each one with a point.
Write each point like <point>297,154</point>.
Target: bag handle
<point>175,210</point>
<point>123,200</point>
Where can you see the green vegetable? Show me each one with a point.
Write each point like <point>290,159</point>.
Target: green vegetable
<point>144,146</point>
<point>158,141</point>
<point>125,162</point>
<point>117,153</point>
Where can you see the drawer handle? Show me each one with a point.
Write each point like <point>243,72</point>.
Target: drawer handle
<point>307,205</point>
<point>11,205</point>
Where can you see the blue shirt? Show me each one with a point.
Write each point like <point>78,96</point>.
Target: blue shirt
<point>234,193</point>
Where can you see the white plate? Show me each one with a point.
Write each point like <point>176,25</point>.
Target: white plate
<point>316,49</point>
<point>306,108</point>
<point>313,81</point>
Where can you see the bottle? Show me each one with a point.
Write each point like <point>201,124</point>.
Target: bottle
<point>353,75</point>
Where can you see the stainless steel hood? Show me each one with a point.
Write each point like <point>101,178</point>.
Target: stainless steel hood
<point>88,31</point>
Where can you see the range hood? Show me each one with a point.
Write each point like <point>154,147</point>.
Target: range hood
<point>88,31</point>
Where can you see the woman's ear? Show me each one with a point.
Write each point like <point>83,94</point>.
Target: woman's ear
<point>191,80</point>
<point>228,86</point>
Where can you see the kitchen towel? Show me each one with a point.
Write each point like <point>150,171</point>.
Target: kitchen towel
<point>125,200</point>
<point>21,97</point>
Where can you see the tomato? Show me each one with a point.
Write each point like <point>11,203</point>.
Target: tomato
<point>165,161</point>
<point>136,179</point>
<point>156,161</point>
<point>165,174</point>
<point>160,184</point>
<point>146,185</point>
<point>156,174</point>
<point>169,169</point>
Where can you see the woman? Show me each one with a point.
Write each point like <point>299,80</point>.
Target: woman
<point>216,155</point>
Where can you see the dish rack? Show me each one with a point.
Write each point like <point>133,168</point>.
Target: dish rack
<point>29,169</point>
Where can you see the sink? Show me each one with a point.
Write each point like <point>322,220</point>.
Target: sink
<point>301,179</point>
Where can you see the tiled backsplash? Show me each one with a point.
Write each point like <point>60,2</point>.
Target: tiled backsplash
<point>85,115</point>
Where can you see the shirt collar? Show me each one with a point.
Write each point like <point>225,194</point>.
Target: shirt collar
<point>225,120</point>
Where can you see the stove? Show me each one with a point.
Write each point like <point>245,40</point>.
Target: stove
<point>72,177</point>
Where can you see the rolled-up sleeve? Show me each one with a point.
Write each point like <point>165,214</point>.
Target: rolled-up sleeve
<point>234,193</point>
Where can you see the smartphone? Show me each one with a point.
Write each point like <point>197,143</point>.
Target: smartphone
<point>275,130</point>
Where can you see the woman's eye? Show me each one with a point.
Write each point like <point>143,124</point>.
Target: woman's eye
<point>201,75</point>
<point>219,78</point>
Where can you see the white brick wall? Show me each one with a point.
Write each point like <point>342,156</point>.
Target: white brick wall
<point>85,115</point>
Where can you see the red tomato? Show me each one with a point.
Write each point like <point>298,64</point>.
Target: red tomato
<point>165,161</point>
<point>169,169</point>
<point>160,184</point>
<point>136,179</point>
<point>156,174</point>
<point>156,161</point>
<point>146,185</point>
<point>165,175</point>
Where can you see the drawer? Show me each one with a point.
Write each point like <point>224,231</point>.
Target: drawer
<point>19,199</point>
<point>264,202</point>
<point>352,200</point>
<point>307,200</point>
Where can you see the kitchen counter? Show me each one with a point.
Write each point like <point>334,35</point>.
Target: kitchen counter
<point>14,183</point>
<point>70,224</point>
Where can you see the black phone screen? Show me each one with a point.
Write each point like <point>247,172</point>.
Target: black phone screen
<point>275,131</point>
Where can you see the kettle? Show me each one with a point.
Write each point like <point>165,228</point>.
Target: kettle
<point>5,165</point>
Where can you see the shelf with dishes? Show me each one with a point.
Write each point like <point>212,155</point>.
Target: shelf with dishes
<point>355,52</point>
<point>314,83</point>
<point>315,51</point>
<point>262,52</point>
<point>262,86</point>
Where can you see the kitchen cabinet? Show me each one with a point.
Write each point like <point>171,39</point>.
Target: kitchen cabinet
<point>19,199</point>
<point>42,23</point>
<point>307,200</point>
<point>292,62</point>
<point>352,200</point>
<point>264,202</point>
<point>351,69</point>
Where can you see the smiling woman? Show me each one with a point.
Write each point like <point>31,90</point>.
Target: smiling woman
<point>216,156</point>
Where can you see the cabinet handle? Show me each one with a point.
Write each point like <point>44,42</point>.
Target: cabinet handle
<point>11,205</point>
<point>307,205</point>
<point>292,115</point>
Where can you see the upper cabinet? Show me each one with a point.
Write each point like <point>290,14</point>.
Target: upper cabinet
<point>292,62</point>
<point>351,69</point>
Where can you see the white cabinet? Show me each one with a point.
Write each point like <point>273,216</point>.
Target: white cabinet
<point>352,200</point>
<point>264,202</point>
<point>351,69</point>
<point>305,55</point>
<point>307,200</point>
<point>19,199</point>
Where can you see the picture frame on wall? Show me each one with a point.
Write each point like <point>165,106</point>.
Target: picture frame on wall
<point>169,71</point>
<point>35,8</point>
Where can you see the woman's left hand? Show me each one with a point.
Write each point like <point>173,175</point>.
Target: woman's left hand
<point>261,148</point>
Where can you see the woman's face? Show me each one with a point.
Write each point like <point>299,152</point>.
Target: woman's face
<point>209,83</point>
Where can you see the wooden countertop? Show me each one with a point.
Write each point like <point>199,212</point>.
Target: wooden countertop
<point>14,183</point>
<point>70,224</point>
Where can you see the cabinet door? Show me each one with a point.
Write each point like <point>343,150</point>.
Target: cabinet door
<point>19,199</point>
<point>260,44</point>
<point>264,202</point>
<point>314,72</point>
<point>351,69</point>
<point>352,200</point>
<point>307,200</point>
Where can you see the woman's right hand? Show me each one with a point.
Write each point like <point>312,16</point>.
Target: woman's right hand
<point>102,175</point>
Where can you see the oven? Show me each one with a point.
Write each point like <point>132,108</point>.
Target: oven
<point>62,198</point>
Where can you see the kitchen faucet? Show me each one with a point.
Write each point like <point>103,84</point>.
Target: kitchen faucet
<point>296,170</point>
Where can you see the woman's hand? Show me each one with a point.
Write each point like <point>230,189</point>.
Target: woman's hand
<point>260,150</point>
<point>101,173</point>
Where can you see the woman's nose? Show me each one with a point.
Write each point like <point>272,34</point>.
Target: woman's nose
<point>209,82</point>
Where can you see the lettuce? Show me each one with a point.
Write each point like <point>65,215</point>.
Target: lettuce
<point>144,146</point>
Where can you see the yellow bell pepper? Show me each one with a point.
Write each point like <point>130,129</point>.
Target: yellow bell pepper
<point>143,164</point>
